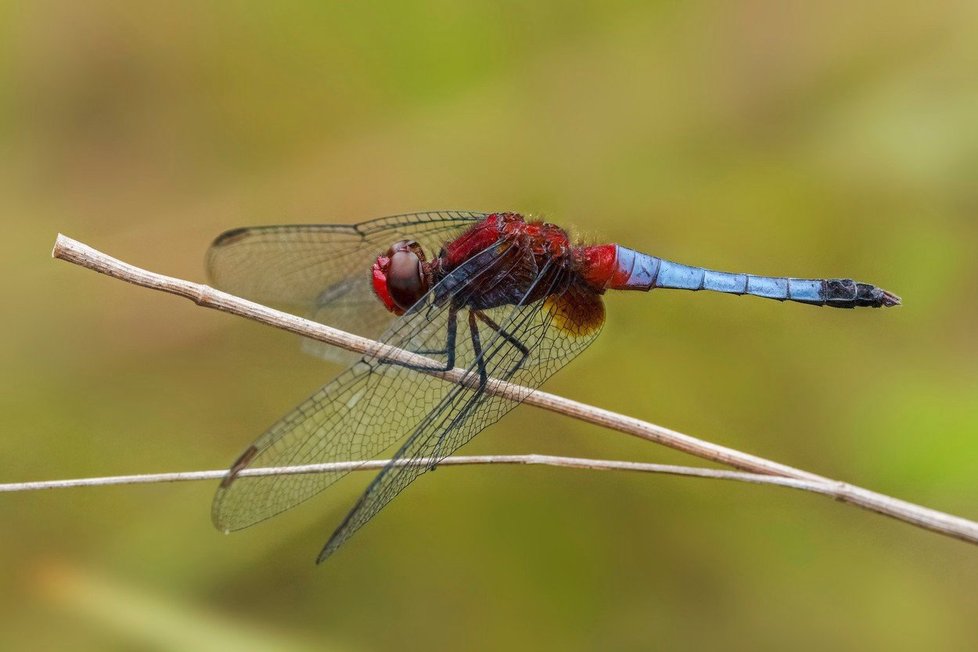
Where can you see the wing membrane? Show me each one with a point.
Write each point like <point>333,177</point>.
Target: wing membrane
<point>358,415</point>
<point>542,327</point>
<point>322,271</point>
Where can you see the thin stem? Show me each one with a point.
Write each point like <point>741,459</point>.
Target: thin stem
<point>469,460</point>
<point>80,254</point>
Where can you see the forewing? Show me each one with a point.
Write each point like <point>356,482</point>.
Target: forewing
<point>554,330</point>
<point>361,413</point>
<point>322,271</point>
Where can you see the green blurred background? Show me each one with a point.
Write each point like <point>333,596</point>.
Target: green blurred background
<point>806,139</point>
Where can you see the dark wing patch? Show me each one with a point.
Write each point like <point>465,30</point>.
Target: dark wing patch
<point>578,311</point>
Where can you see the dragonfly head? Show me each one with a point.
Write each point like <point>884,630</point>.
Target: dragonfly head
<point>400,277</point>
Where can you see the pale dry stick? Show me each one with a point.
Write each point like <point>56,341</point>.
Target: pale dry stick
<point>80,254</point>
<point>459,460</point>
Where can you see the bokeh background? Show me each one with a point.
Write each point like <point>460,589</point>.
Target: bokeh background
<point>806,139</point>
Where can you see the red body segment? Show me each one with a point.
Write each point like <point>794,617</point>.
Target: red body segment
<point>598,266</point>
<point>481,236</point>
<point>539,239</point>
<point>528,247</point>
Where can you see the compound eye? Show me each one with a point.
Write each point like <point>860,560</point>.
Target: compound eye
<point>405,279</point>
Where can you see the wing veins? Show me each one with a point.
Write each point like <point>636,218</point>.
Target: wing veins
<point>374,498</point>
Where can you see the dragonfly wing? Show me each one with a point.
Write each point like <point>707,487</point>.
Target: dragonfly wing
<point>554,330</point>
<point>351,306</point>
<point>322,271</point>
<point>360,414</point>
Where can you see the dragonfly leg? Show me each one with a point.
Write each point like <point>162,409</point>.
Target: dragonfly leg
<point>480,359</point>
<point>483,379</point>
<point>448,351</point>
<point>515,343</point>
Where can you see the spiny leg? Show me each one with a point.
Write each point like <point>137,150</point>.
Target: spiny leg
<point>509,337</point>
<point>477,350</point>
<point>448,351</point>
<point>483,379</point>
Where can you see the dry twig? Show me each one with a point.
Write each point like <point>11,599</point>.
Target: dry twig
<point>458,460</point>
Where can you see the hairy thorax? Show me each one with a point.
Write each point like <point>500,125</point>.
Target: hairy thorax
<point>508,260</point>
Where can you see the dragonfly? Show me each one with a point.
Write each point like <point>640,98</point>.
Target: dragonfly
<point>499,295</point>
